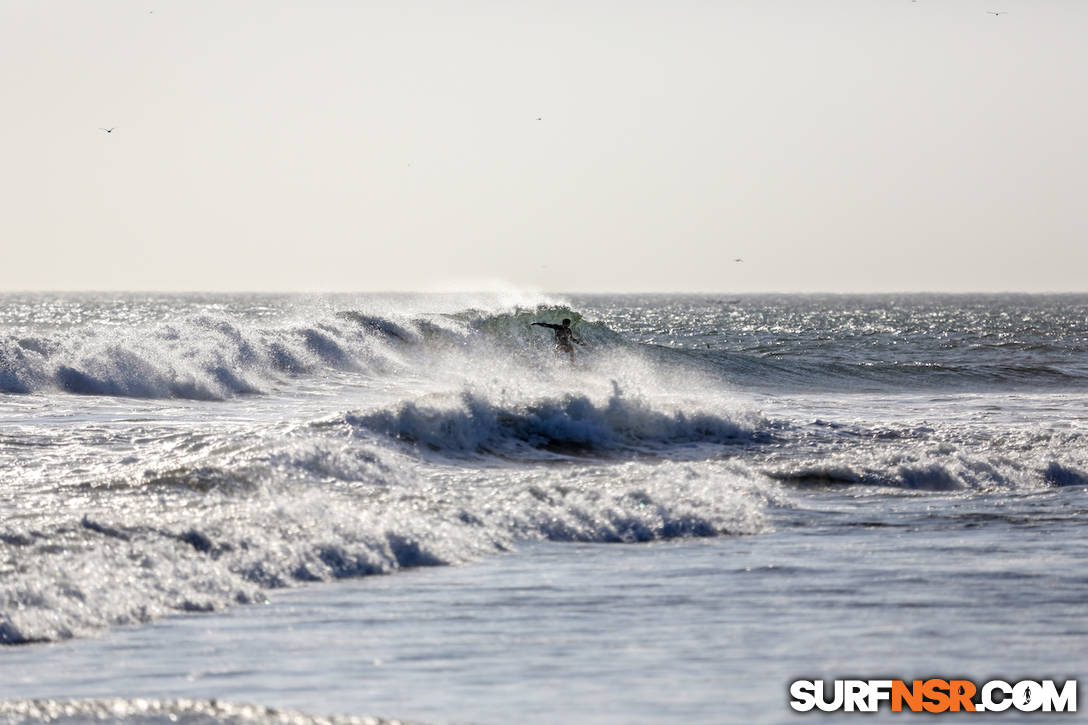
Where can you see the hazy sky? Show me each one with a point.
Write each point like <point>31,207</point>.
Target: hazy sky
<point>844,145</point>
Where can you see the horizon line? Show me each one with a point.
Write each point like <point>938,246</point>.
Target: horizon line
<point>478,291</point>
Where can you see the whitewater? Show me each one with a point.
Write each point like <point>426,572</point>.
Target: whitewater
<point>277,508</point>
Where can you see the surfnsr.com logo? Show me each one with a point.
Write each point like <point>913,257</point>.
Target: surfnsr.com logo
<point>933,695</point>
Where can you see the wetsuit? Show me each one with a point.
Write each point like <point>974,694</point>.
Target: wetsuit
<point>564,336</point>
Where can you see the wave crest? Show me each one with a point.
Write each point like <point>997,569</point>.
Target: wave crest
<point>572,424</point>
<point>206,357</point>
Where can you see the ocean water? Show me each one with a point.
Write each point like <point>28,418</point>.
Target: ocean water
<point>273,508</point>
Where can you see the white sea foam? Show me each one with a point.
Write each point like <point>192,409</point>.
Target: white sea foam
<point>470,423</point>
<point>344,440</point>
<point>214,357</point>
<point>142,711</point>
<point>326,508</point>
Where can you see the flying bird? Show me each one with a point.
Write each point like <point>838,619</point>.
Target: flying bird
<point>995,13</point>
<point>738,259</point>
<point>107,130</point>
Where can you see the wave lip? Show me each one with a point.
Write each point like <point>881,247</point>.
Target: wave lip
<point>960,472</point>
<point>569,425</point>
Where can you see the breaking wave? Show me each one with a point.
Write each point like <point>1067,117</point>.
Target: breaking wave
<point>210,357</point>
<point>913,471</point>
<point>327,509</point>
<point>572,424</point>
<point>215,358</point>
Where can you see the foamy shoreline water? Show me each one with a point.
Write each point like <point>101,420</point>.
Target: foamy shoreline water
<point>145,711</point>
<point>703,630</point>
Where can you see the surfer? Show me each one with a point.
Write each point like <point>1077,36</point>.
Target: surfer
<point>564,336</point>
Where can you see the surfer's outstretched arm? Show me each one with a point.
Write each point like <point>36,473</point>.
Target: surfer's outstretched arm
<point>547,324</point>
